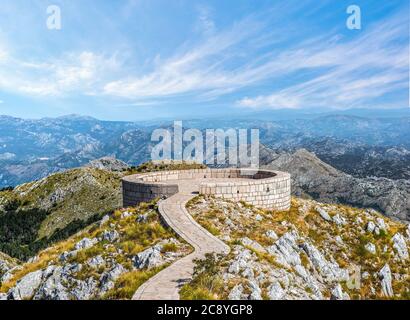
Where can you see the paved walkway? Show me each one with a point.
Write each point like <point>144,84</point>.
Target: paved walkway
<point>166,284</point>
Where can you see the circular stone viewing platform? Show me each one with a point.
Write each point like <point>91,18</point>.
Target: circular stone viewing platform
<point>262,188</point>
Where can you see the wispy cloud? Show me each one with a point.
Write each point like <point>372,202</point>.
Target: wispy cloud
<point>374,64</point>
<point>73,72</point>
<point>347,72</point>
<point>253,62</point>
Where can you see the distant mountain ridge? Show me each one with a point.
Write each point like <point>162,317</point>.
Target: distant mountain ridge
<point>315,179</point>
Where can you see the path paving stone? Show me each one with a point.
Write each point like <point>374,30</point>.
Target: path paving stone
<point>166,284</point>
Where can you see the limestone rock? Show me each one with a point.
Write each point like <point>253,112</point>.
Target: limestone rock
<point>252,244</point>
<point>26,286</point>
<point>275,291</point>
<point>149,258</point>
<point>104,220</point>
<point>339,220</point>
<point>236,293</point>
<point>323,213</point>
<point>111,235</point>
<point>338,294</point>
<point>126,214</point>
<point>85,243</point>
<point>84,290</point>
<point>272,235</point>
<point>96,262</point>
<point>370,247</point>
<point>52,288</point>
<point>142,218</point>
<point>381,224</point>
<point>370,227</point>
<point>330,271</point>
<point>108,278</point>
<point>386,278</point>
<point>399,244</point>
<point>241,260</point>
<point>286,250</point>
<point>256,292</point>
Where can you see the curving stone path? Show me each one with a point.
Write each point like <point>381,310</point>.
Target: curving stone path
<point>166,284</point>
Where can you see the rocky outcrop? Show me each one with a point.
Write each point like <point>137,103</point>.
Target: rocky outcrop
<point>149,258</point>
<point>109,164</point>
<point>386,281</point>
<point>399,244</point>
<point>316,251</point>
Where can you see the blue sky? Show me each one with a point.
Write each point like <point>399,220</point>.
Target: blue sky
<point>143,59</point>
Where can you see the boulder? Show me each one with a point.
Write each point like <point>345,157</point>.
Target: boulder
<point>381,224</point>
<point>104,220</point>
<point>256,292</point>
<point>142,218</point>
<point>399,244</point>
<point>339,220</point>
<point>111,235</point>
<point>275,291</point>
<point>272,235</point>
<point>323,213</point>
<point>149,258</point>
<point>108,278</point>
<point>330,271</point>
<point>26,286</point>
<point>338,294</point>
<point>286,249</point>
<point>85,290</point>
<point>85,243</point>
<point>96,262</point>
<point>126,214</point>
<point>236,293</point>
<point>52,288</point>
<point>370,247</point>
<point>385,278</point>
<point>252,244</point>
<point>241,260</point>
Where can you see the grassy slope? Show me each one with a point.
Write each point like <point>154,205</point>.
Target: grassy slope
<point>71,199</point>
<point>134,237</point>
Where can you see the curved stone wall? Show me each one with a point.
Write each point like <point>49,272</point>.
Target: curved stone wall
<point>262,188</point>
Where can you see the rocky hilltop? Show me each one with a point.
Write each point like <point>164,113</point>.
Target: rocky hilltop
<point>314,251</point>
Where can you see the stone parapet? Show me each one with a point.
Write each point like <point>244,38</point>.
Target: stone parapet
<point>262,188</point>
